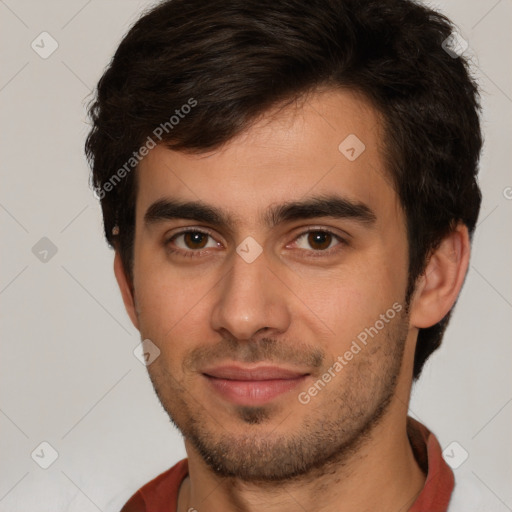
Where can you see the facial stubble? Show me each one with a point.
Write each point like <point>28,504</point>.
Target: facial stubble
<point>334,427</point>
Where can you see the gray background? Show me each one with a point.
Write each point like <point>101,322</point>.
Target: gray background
<point>68,373</point>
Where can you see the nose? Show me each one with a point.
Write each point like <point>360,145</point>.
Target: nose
<point>250,299</point>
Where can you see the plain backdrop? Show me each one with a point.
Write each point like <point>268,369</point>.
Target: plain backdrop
<point>68,373</point>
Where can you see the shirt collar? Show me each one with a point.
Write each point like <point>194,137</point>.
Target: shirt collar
<point>438,488</point>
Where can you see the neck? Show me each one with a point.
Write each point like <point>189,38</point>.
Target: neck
<point>381,475</point>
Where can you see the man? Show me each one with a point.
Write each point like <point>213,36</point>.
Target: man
<point>290,190</point>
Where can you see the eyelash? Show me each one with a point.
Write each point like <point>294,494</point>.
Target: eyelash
<point>315,253</point>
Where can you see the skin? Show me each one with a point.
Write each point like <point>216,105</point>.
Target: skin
<point>294,306</point>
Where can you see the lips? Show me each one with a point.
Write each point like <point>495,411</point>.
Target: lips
<point>248,374</point>
<point>252,386</point>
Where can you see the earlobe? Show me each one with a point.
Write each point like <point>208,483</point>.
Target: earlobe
<point>126,289</point>
<point>438,287</point>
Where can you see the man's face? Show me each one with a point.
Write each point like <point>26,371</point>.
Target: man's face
<point>249,340</point>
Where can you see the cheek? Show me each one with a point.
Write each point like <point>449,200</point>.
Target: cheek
<point>352,301</point>
<point>348,310</point>
<point>172,306</point>
<point>161,291</point>
<point>166,305</point>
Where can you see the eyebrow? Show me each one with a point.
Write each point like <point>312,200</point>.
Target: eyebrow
<point>321,206</point>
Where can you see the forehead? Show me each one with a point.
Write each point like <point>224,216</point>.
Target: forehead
<point>327,142</point>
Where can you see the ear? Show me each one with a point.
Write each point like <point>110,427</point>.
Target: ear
<point>126,289</point>
<point>438,287</point>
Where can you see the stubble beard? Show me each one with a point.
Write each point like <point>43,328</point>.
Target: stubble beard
<point>340,420</point>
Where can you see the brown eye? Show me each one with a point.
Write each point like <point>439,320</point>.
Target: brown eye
<point>319,240</point>
<point>195,239</point>
<point>191,242</point>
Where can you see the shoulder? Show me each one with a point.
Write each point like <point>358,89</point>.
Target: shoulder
<point>160,492</point>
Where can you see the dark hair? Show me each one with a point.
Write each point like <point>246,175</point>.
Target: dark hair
<point>232,60</point>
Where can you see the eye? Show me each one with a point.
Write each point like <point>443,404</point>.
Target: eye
<point>194,242</point>
<point>191,242</point>
<point>320,240</point>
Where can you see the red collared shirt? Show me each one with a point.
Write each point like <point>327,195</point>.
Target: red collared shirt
<point>161,493</point>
